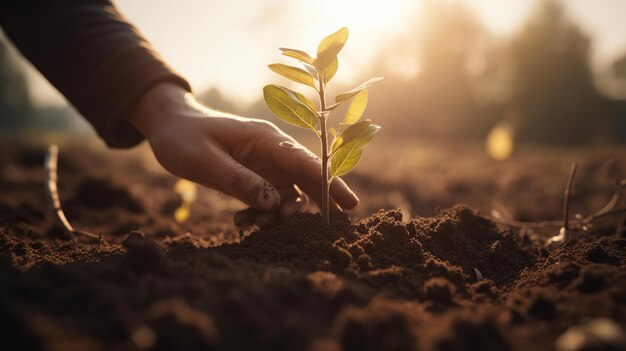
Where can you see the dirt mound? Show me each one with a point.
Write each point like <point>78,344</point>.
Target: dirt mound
<point>453,281</point>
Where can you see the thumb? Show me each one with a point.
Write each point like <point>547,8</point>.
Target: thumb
<point>244,184</point>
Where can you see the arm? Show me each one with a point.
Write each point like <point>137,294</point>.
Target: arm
<point>92,55</point>
<point>108,71</point>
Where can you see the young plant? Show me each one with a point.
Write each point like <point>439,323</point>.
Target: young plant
<point>351,136</point>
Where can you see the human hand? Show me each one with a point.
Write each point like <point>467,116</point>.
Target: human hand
<point>249,159</point>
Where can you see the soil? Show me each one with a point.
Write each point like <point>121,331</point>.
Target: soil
<point>453,279</point>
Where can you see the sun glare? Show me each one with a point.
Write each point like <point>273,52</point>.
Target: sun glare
<point>371,24</point>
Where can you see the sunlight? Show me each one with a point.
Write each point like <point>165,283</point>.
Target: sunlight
<point>371,25</point>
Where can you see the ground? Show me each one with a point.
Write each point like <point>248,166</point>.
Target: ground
<point>410,269</point>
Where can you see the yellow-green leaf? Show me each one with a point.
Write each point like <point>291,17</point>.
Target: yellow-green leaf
<point>344,161</point>
<point>356,108</point>
<point>351,133</point>
<point>296,74</point>
<point>330,71</point>
<point>329,47</point>
<point>303,99</point>
<point>288,106</point>
<point>347,156</point>
<point>349,94</point>
<point>298,55</point>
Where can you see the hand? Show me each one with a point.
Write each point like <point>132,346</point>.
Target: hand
<point>249,159</point>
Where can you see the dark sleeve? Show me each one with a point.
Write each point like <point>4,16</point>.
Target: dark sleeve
<point>92,55</point>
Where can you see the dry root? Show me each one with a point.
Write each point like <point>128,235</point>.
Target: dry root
<point>581,224</point>
<point>50,165</point>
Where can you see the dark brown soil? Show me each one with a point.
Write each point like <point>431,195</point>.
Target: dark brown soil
<point>379,283</point>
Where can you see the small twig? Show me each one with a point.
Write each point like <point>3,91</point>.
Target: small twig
<point>50,165</point>
<point>100,241</point>
<point>610,206</point>
<point>609,209</point>
<point>567,198</point>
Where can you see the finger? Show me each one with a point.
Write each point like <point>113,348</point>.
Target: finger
<point>244,184</point>
<point>245,218</point>
<point>290,196</point>
<point>265,219</point>
<point>338,190</point>
<point>289,193</point>
<point>306,203</point>
<point>304,167</point>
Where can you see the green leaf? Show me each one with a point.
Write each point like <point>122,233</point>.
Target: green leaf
<point>332,133</point>
<point>298,55</point>
<point>344,161</point>
<point>329,47</point>
<point>356,108</point>
<point>351,133</point>
<point>349,94</point>
<point>296,74</point>
<point>289,107</point>
<point>303,99</point>
<point>330,71</point>
<point>348,155</point>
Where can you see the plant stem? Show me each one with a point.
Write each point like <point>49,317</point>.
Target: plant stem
<point>567,197</point>
<point>324,139</point>
<point>325,185</point>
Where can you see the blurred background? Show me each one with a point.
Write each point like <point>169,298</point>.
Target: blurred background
<point>543,71</point>
<point>484,102</point>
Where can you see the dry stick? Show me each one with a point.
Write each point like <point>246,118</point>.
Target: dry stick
<point>50,165</point>
<point>610,207</point>
<point>567,198</point>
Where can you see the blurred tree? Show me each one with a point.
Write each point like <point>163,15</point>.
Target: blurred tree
<point>213,97</point>
<point>444,95</point>
<point>553,88</point>
<point>449,52</point>
<point>15,103</point>
<point>616,106</point>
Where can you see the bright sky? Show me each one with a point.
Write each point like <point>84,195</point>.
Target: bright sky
<point>228,44</point>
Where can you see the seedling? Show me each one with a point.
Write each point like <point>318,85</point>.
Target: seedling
<point>351,136</point>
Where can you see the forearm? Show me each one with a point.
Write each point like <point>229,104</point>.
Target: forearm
<point>91,54</point>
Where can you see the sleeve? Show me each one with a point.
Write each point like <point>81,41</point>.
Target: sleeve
<point>92,55</point>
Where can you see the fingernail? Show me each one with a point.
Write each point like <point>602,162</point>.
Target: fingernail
<point>267,198</point>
